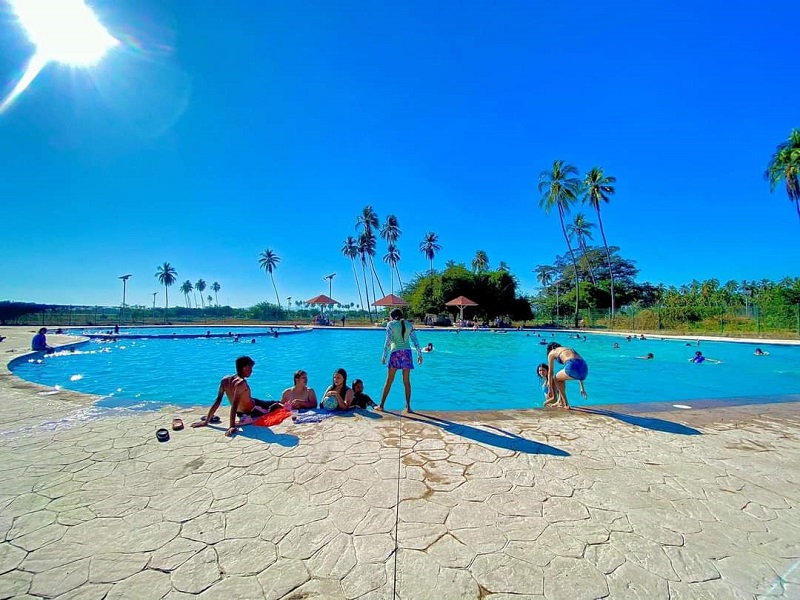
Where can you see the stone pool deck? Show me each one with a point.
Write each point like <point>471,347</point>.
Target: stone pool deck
<point>701,503</point>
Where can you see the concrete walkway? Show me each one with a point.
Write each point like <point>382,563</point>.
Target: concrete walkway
<point>510,505</point>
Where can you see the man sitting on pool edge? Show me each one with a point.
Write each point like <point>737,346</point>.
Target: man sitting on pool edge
<point>239,395</point>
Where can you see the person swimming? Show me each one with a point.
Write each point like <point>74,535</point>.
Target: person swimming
<point>698,358</point>
<point>760,352</point>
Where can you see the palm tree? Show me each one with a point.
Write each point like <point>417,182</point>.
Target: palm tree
<point>545,274</point>
<point>430,246</point>
<point>350,250</point>
<point>503,266</point>
<point>210,299</point>
<point>368,221</point>
<point>364,241</point>
<point>581,229</point>
<point>481,262</point>
<point>269,262</point>
<point>391,258</point>
<point>186,288</point>
<point>560,187</point>
<point>598,189</point>
<point>200,286</point>
<point>785,165</point>
<point>215,287</point>
<point>391,233</point>
<point>166,275</point>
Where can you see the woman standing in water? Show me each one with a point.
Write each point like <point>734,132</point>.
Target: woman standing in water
<point>399,332</point>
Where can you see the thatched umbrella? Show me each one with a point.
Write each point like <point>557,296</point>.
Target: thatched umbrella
<point>322,300</point>
<point>461,302</point>
<point>389,301</point>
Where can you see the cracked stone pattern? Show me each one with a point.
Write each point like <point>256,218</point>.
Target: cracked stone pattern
<point>522,504</point>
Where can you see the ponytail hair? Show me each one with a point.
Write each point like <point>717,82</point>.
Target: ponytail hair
<point>397,315</point>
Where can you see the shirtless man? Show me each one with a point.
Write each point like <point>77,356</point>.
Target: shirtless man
<point>236,388</point>
<point>574,368</point>
<point>299,396</point>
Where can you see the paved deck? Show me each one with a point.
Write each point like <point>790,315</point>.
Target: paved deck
<point>511,505</point>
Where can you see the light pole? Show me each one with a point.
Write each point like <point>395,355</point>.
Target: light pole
<point>124,290</point>
<point>154,303</point>
<point>289,303</point>
<point>330,287</point>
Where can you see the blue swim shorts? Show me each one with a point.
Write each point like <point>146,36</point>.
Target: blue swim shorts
<point>401,359</point>
<point>576,368</point>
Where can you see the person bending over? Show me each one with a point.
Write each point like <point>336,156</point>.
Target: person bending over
<point>574,368</point>
<point>299,396</point>
<point>243,405</point>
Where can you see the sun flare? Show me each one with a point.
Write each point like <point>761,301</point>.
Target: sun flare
<point>63,31</point>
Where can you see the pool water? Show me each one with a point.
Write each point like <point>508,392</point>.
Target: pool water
<point>471,370</point>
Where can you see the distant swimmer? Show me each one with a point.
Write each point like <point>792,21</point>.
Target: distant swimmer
<point>616,345</point>
<point>760,352</point>
<point>648,356</point>
<point>428,348</point>
<point>699,358</point>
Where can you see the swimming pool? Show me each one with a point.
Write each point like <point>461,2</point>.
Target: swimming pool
<point>467,371</point>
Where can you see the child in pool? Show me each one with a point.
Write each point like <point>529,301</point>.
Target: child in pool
<point>360,399</point>
<point>543,372</point>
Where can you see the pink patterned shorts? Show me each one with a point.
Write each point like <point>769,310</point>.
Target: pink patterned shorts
<point>401,359</point>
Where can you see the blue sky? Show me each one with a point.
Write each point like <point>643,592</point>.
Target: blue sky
<point>220,129</point>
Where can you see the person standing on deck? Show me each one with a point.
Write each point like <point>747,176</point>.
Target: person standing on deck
<point>399,332</point>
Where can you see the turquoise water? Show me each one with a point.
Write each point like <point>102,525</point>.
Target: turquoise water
<point>467,371</point>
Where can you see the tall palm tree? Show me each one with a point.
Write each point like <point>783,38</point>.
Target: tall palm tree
<point>430,246</point>
<point>200,286</point>
<point>368,222</point>
<point>481,262</point>
<point>186,288</point>
<point>598,189</point>
<point>269,262</point>
<point>391,258</point>
<point>350,250</point>
<point>216,287</point>
<point>362,253</point>
<point>366,249</point>
<point>559,188</point>
<point>391,233</point>
<point>166,275</point>
<point>503,266</point>
<point>784,165</point>
<point>581,229</point>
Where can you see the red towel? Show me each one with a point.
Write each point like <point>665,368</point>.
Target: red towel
<point>273,417</point>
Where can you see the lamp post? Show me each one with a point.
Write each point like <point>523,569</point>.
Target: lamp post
<point>330,286</point>
<point>124,291</point>
<point>154,303</point>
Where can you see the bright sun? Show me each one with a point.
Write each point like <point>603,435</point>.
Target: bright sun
<point>64,31</point>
